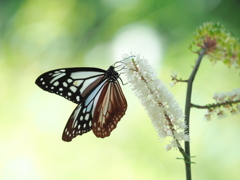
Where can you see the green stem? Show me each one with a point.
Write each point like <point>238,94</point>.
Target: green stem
<point>209,106</point>
<point>187,113</point>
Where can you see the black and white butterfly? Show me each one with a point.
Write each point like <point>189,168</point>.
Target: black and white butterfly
<point>101,102</point>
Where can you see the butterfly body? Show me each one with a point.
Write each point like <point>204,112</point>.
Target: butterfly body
<point>101,102</point>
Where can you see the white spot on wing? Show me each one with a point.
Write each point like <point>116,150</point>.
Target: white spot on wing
<point>78,82</point>
<point>86,117</point>
<point>75,124</point>
<point>65,84</point>
<point>81,118</point>
<point>73,89</point>
<point>57,77</point>
<point>69,80</point>
<point>56,83</point>
<point>84,74</point>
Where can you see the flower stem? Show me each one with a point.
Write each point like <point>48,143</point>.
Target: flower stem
<point>209,106</point>
<point>187,113</point>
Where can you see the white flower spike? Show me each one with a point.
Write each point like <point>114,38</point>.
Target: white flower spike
<point>165,113</point>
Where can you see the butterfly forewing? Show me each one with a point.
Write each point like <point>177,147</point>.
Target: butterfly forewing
<point>71,83</point>
<point>110,108</point>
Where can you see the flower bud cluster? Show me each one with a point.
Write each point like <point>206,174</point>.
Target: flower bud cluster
<point>219,43</point>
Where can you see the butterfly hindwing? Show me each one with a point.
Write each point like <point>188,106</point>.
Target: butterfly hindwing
<point>110,108</point>
<point>71,83</point>
<point>80,121</point>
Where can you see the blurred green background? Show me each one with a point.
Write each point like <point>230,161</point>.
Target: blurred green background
<point>37,36</point>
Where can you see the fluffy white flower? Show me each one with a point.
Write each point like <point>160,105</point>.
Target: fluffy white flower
<point>165,113</point>
<point>168,147</point>
<point>208,116</point>
<point>226,102</point>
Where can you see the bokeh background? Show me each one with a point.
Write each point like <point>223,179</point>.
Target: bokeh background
<point>37,36</point>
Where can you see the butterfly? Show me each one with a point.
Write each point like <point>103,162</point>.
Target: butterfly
<point>101,102</point>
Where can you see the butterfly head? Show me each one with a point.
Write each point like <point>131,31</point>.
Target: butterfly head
<point>111,74</point>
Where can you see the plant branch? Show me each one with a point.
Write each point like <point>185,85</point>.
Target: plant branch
<point>210,106</point>
<point>187,112</point>
<point>174,78</point>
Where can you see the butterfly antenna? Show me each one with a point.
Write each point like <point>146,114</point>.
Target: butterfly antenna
<point>122,61</point>
<point>122,81</point>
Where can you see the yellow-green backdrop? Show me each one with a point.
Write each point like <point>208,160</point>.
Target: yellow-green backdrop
<point>37,36</point>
